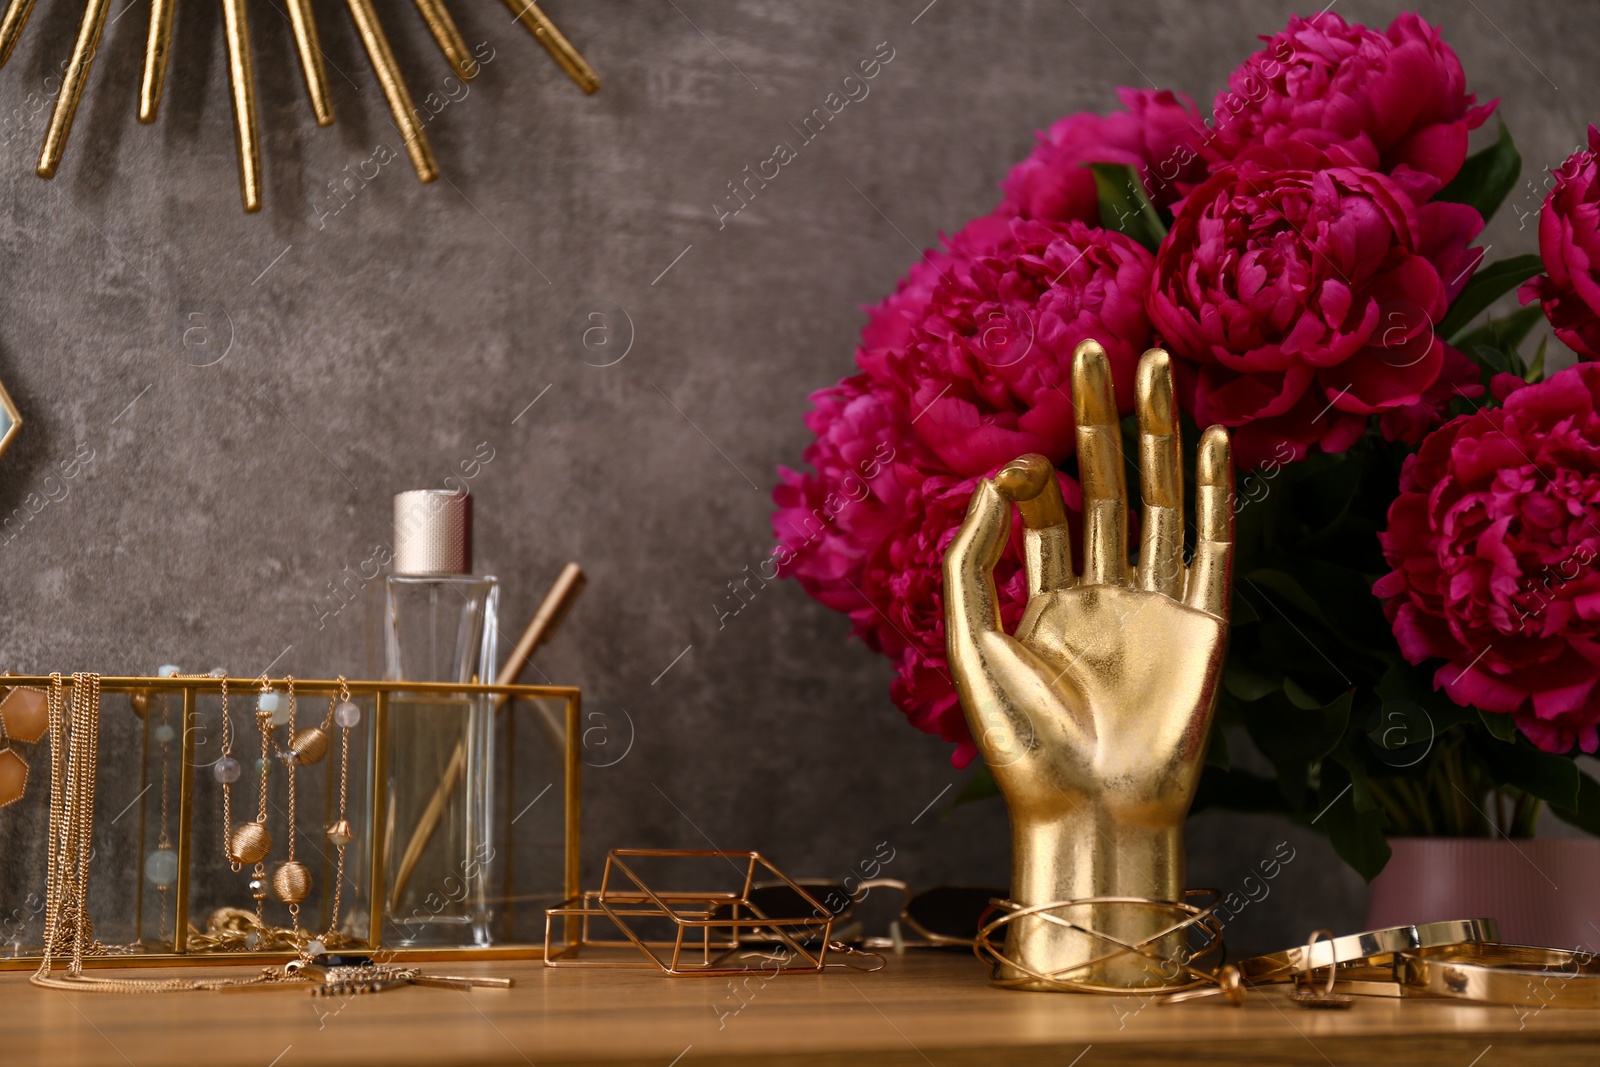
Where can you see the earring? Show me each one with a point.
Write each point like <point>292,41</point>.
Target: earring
<point>340,834</point>
<point>24,718</point>
<point>161,864</point>
<point>291,881</point>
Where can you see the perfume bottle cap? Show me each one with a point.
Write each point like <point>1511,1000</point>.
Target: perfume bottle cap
<point>432,532</point>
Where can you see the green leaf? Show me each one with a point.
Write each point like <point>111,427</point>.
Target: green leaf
<point>1549,777</point>
<point>979,787</point>
<point>1496,360</point>
<point>1504,333</point>
<point>1487,285</point>
<point>1536,368</point>
<point>1406,682</point>
<point>1124,205</point>
<point>1503,727</point>
<point>1585,814</point>
<point>1357,836</point>
<point>1246,684</point>
<point>1294,737</point>
<point>1486,178</point>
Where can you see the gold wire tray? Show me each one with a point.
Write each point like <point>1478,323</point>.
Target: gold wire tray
<point>630,904</point>
<point>189,689</point>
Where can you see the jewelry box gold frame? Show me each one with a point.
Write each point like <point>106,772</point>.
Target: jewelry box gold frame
<point>8,432</point>
<point>192,687</point>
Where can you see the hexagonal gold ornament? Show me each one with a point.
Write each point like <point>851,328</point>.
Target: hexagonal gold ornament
<point>10,420</point>
<point>25,714</point>
<point>13,777</point>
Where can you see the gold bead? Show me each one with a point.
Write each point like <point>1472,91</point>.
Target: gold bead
<point>291,882</point>
<point>340,833</point>
<point>309,745</point>
<point>139,701</point>
<point>249,843</point>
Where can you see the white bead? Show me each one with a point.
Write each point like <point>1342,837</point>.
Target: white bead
<point>161,868</point>
<point>315,947</point>
<point>219,672</point>
<point>226,770</point>
<point>347,714</point>
<point>164,734</point>
<point>168,671</point>
<point>275,706</point>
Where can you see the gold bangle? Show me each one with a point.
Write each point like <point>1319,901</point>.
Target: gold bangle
<point>1368,947</point>
<point>1513,975</point>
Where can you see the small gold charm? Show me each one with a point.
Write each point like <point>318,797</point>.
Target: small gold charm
<point>139,701</point>
<point>13,777</point>
<point>341,833</point>
<point>25,714</point>
<point>291,882</point>
<point>249,843</point>
<point>309,745</point>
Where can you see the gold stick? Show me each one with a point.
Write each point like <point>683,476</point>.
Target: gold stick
<point>72,82</point>
<point>557,602</point>
<point>157,46</point>
<point>16,17</point>
<point>555,42</point>
<point>394,88</point>
<point>304,24</point>
<point>242,78</point>
<point>451,43</point>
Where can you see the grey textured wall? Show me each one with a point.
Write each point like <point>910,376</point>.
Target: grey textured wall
<point>372,349</point>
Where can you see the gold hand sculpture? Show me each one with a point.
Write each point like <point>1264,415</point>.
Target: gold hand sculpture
<point>1093,716</point>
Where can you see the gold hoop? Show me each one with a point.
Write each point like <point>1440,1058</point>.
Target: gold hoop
<point>1194,917</point>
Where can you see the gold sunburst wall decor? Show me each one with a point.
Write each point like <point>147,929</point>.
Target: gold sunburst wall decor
<point>10,420</point>
<point>241,76</point>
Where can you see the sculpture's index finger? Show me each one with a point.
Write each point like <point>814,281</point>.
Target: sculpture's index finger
<point>1031,481</point>
<point>1105,488</point>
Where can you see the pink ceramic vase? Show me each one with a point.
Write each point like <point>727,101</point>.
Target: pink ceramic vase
<point>1544,891</point>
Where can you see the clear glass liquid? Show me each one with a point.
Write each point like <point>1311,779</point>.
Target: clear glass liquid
<point>438,840</point>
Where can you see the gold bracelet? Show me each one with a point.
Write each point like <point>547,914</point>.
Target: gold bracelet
<point>1514,975</point>
<point>1368,947</point>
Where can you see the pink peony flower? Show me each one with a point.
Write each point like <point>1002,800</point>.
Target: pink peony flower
<point>903,579</point>
<point>986,369</point>
<point>1569,243</point>
<point>828,522</point>
<point>1159,133</point>
<point>1493,540</point>
<point>1303,295</point>
<point>1394,101</point>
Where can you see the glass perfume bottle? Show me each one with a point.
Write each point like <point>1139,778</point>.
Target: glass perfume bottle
<point>438,624</point>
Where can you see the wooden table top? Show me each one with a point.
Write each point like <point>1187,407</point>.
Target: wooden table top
<point>925,1010</point>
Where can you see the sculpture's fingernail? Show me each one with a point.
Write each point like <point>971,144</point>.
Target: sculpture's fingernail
<point>1025,477</point>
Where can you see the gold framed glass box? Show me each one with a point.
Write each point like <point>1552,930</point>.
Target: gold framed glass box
<point>178,783</point>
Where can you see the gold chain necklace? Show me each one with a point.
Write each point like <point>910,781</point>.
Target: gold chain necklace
<point>74,748</point>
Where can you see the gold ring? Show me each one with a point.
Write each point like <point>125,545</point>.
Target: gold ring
<point>1367,947</point>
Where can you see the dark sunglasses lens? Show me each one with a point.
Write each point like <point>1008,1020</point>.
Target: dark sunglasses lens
<point>782,902</point>
<point>951,911</point>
